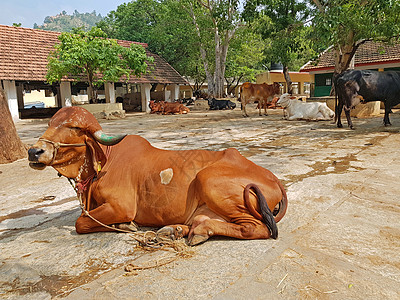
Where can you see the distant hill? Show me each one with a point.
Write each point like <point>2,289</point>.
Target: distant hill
<point>63,22</point>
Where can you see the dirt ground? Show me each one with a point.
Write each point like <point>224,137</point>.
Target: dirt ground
<point>340,238</point>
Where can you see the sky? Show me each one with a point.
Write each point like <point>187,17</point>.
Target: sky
<point>28,12</point>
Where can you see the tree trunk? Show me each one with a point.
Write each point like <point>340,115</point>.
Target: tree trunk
<point>288,80</point>
<point>344,55</point>
<point>93,95</point>
<point>11,147</point>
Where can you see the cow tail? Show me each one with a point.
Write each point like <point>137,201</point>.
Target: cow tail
<point>266,215</point>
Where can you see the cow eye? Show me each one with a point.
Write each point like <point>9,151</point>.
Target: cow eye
<point>75,128</point>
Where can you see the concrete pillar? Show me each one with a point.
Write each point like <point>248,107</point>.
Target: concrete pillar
<point>301,87</point>
<point>174,92</point>
<point>20,95</point>
<point>166,94</point>
<point>11,95</point>
<point>65,93</point>
<point>110,92</point>
<point>145,96</point>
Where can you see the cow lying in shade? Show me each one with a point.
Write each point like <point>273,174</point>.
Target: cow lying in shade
<point>194,193</point>
<point>166,108</point>
<point>220,104</point>
<point>296,109</point>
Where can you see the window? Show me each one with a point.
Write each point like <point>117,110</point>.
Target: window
<point>328,81</point>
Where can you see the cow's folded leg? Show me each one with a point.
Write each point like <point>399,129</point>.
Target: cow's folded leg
<point>294,117</point>
<point>173,232</point>
<point>104,214</point>
<point>211,227</point>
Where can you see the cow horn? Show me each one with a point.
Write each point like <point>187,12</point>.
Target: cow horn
<point>108,140</point>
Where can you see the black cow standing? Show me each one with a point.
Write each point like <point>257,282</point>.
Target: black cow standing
<point>371,86</point>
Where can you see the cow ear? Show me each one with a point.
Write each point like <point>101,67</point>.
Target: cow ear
<point>98,157</point>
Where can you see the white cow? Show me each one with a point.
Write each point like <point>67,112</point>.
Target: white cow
<point>296,109</point>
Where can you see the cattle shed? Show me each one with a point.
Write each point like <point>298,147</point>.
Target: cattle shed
<point>23,67</point>
<point>369,56</point>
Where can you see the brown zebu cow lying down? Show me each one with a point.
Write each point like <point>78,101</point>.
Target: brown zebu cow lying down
<point>194,193</point>
<point>168,107</point>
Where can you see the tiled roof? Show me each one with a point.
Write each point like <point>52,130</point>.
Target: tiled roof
<point>24,52</point>
<point>369,53</point>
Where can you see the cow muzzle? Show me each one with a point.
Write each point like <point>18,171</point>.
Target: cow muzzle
<point>40,157</point>
<point>33,157</point>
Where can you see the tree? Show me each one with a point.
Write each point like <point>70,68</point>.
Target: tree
<point>89,54</point>
<point>165,27</point>
<point>245,57</point>
<point>64,22</point>
<point>11,147</point>
<point>282,25</point>
<point>348,24</point>
<point>220,19</point>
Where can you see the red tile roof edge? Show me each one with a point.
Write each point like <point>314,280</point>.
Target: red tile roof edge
<point>24,51</point>
<point>367,54</point>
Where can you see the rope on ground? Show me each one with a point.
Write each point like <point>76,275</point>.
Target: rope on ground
<point>149,241</point>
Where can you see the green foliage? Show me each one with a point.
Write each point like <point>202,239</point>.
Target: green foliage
<point>163,25</point>
<point>281,23</point>
<point>16,24</point>
<point>347,24</point>
<point>167,26</point>
<point>245,55</point>
<point>65,23</point>
<point>90,54</point>
<point>357,20</point>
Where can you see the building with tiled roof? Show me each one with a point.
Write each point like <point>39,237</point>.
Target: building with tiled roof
<point>370,55</point>
<point>23,65</point>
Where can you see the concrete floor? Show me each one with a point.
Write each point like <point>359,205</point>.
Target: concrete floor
<point>340,238</point>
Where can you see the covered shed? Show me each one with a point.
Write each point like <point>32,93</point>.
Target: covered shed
<point>370,55</point>
<point>23,67</point>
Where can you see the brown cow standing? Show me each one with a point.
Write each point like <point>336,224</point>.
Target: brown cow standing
<point>194,193</point>
<point>250,92</point>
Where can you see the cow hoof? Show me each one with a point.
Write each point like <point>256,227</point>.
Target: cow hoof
<point>171,233</point>
<point>197,239</point>
<point>166,233</point>
<point>131,226</point>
